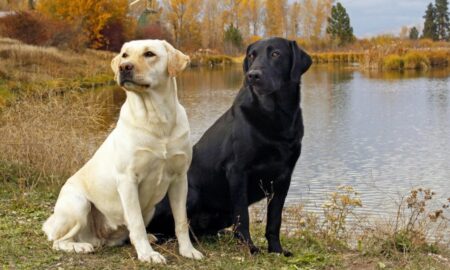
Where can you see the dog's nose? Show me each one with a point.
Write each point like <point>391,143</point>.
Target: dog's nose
<point>254,75</point>
<point>126,67</point>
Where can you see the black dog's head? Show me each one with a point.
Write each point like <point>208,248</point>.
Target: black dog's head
<point>274,62</point>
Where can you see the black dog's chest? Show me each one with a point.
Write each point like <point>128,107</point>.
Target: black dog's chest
<point>270,161</point>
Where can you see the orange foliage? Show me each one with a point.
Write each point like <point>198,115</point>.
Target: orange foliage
<point>90,16</point>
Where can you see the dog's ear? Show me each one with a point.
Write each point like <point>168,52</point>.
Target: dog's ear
<point>245,64</point>
<point>301,61</point>
<point>176,61</point>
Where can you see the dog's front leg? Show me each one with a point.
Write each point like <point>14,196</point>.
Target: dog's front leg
<point>129,196</point>
<point>274,216</point>
<point>239,204</point>
<point>177,197</point>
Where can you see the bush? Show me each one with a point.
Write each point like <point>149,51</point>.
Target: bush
<point>34,28</point>
<point>393,62</point>
<point>439,58</point>
<point>415,60</point>
<point>114,35</point>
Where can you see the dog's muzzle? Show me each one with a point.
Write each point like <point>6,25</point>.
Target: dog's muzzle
<point>125,73</point>
<point>254,77</point>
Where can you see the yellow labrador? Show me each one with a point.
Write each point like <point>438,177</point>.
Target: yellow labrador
<point>113,196</point>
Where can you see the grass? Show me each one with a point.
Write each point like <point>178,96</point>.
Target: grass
<point>27,68</point>
<point>24,208</point>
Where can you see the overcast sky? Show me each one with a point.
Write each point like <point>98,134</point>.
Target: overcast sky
<point>372,17</point>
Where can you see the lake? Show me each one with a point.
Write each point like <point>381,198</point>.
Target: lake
<point>382,133</point>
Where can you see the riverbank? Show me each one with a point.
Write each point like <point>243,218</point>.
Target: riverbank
<point>33,69</point>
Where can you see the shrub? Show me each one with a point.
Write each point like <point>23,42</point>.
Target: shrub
<point>438,58</point>
<point>393,62</point>
<point>114,35</point>
<point>24,26</point>
<point>415,60</point>
<point>34,28</point>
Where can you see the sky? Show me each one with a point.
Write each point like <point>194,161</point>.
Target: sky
<point>373,17</point>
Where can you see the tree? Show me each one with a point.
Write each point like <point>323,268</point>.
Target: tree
<point>442,20</point>
<point>294,20</point>
<point>211,21</point>
<point>339,25</point>
<point>275,18</point>
<point>233,39</point>
<point>413,33</point>
<point>404,32</point>
<point>183,17</point>
<point>91,16</point>
<point>429,27</point>
<point>255,10</point>
<point>314,14</point>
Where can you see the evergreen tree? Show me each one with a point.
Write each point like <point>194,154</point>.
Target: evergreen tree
<point>233,39</point>
<point>442,20</point>
<point>413,33</point>
<point>339,25</point>
<point>429,28</point>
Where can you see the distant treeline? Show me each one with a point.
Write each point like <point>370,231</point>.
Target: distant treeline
<point>212,29</point>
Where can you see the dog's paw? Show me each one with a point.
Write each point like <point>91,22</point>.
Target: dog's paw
<point>191,253</point>
<point>152,257</point>
<point>286,253</point>
<point>254,250</point>
<point>74,247</point>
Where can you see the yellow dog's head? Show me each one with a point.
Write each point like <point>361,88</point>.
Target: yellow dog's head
<point>144,64</point>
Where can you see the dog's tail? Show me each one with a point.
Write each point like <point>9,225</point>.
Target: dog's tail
<point>58,228</point>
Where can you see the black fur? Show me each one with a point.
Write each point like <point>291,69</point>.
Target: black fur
<point>249,153</point>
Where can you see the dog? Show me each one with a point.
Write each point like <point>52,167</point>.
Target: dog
<point>113,196</point>
<point>249,153</point>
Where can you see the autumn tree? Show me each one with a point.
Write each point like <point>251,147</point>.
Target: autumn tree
<point>404,32</point>
<point>232,12</point>
<point>90,16</point>
<point>314,17</point>
<point>18,5</point>
<point>275,18</point>
<point>339,27</point>
<point>294,21</point>
<point>255,13</point>
<point>211,21</point>
<point>183,16</point>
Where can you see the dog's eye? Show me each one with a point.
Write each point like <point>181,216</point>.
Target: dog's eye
<point>124,55</point>
<point>251,56</point>
<point>275,54</point>
<point>149,54</point>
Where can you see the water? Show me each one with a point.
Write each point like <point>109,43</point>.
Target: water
<point>382,133</point>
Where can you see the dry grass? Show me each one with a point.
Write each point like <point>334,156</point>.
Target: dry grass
<point>54,134</point>
<point>46,123</point>
<point>27,68</point>
<point>337,57</point>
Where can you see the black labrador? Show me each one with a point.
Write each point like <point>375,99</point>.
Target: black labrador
<point>249,153</point>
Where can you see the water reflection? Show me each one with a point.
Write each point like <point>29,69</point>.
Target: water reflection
<point>382,133</point>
